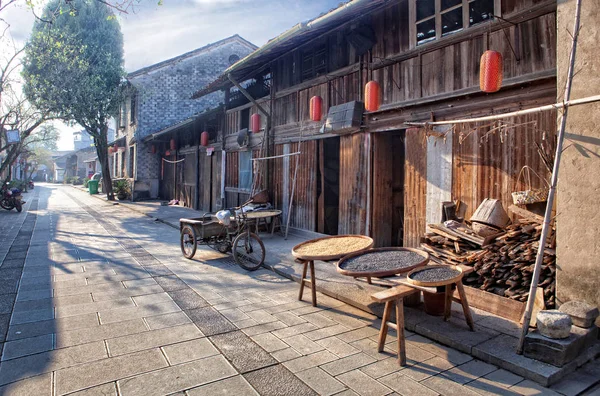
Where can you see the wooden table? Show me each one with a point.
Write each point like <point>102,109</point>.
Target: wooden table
<point>263,215</point>
<point>308,260</point>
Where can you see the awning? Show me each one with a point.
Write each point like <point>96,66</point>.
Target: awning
<point>90,160</point>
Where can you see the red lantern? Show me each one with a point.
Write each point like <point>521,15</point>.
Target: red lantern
<point>315,108</point>
<point>172,144</point>
<point>372,100</point>
<point>255,123</point>
<point>167,153</point>
<point>204,137</point>
<point>490,71</point>
<point>153,149</point>
<point>110,150</point>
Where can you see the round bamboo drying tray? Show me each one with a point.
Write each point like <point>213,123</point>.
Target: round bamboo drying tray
<point>434,283</point>
<point>366,243</point>
<point>374,272</point>
<point>261,214</point>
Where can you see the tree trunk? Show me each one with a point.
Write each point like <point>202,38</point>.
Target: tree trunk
<point>102,152</point>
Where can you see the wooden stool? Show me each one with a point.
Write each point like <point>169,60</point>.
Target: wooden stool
<point>393,297</point>
<point>312,281</point>
<point>462,300</point>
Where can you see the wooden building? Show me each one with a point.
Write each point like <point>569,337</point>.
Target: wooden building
<point>383,178</point>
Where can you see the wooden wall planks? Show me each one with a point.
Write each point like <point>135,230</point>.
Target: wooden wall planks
<point>354,167</point>
<point>415,186</point>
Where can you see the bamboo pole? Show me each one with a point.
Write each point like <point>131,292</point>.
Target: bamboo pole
<point>555,169</point>
<point>555,106</point>
<point>289,213</point>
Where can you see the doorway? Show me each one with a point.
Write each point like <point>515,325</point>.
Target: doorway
<point>388,188</point>
<point>328,185</point>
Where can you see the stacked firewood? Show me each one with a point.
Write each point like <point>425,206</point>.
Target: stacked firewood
<point>503,262</point>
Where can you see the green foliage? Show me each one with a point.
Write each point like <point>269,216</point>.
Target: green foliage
<point>85,182</point>
<point>121,188</point>
<point>74,65</point>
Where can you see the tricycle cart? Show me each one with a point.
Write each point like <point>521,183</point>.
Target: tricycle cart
<point>225,236</point>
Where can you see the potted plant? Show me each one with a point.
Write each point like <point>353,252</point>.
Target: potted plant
<point>122,189</point>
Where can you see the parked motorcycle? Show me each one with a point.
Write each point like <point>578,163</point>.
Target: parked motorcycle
<point>30,185</point>
<point>11,198</point>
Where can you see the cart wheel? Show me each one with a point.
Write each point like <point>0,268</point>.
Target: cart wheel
<point>188,241</point>
<point>248,251</point>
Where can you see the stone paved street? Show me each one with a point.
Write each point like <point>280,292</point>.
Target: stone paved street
<point>107,305</point>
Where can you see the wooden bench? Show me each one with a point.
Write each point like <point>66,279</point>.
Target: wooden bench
<point>395,296</point>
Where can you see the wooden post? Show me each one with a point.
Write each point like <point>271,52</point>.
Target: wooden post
<point>548,214</point>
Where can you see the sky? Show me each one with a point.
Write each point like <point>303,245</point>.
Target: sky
<point>153,33</point>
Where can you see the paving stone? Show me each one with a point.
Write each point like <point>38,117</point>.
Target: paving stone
<point>152,339</point>
<point>427,368</point>
<point>468,371</point>
<point>289,318</point>
<point>52,302</point>
<point>485,387</point>
<point>358,334</point>
<point>575,383</point>
<point>28,366</point>
<point>27,330</point>
<point>118,315</point>
<point>209,321</point>
<point>106,370</point>
<point>269,342</point>
<point>27,346</point>
<point>178,378</point>
<point>32,316</point>
<point>148,299</point>
<point>325,332</point>
<point>446,387</point>
<point>582,314</point>
<point>264,328</point>
<point>38,385</point>
<point>170,283</point>
<point>363,384</point>
<point>503,377</point>
<point>382,368</point>
<point>100,390</point>
<point>167,320</point>
<point>287,332</point>
<point>129,292</point>
<point>79,309</point>
<point>6,303</point>
<point>31,295</point>
<point>260,316</point>
<point>285,354</point>
<point>100,288</point>
<point>4,321</point>
<point>528,388</point>
<point>447,353</point>
<point>159,270</point>
<point>277,380</point>
<point>8,286</point>
<point>308,361</point>
<point>321,382</point>
<point>230,386</point>
<point>189,350</point>
<point>188,299</point>
<point>501,352</point>
<point>302,344</point>
<point>348,363</point>
<point>236,316</point>
<point>369,347</point>
<point>242,352</point>
<point>337,346</point>
<point>319,320</point>
<point>406,386</point>
<point>98,333</point>
<point>140,283</point>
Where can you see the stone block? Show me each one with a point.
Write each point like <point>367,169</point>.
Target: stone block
<point>553,324</point>
<point>582,314</point>
<point>559,352</point>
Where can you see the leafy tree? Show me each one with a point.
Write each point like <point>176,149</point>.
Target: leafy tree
<point>73,68</point>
